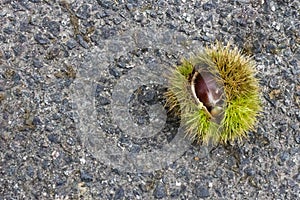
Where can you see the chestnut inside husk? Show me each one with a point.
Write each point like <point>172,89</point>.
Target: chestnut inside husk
<point>217,94</point>
<point>207,91</point>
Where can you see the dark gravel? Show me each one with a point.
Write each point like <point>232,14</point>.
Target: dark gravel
<point>81,100</point>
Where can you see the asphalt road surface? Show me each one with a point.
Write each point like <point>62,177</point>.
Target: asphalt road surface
<point>82,108</point>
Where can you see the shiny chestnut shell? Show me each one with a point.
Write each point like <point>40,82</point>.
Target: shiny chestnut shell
<point>206,90</point>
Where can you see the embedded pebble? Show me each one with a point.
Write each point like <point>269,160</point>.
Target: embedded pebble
<point>201,191</point>
<point>41,39</point>
<point>159,191</point>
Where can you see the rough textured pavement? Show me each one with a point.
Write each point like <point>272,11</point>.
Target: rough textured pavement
<point>81,100</point>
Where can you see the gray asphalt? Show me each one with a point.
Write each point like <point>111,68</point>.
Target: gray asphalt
<point>81,100</point>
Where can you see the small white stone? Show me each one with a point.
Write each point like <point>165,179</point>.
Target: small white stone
<point>178,183</point>
<point>276,26</point>
<point>272,6</point>
<point>82,161</point>
<point>55,154</point>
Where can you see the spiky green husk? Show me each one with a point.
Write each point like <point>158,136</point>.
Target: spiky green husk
<point>179,89</point>
<point>236,73</point>
<point>197,121</point>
